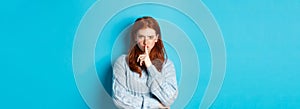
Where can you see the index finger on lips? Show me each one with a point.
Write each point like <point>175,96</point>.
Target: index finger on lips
<point>146,49</point>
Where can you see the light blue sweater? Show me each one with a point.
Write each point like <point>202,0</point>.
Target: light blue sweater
<point>133,92</point>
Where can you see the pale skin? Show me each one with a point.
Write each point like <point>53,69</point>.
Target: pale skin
<point>146,39</point>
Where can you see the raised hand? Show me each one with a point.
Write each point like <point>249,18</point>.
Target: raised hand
<point>144,58</point>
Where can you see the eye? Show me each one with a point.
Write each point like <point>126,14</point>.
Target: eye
<point>150,37</point>
<point>140,36</point>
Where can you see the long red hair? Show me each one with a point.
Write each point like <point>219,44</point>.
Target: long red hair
<point>157,54</point>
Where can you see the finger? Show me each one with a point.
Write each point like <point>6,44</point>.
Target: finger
<point>141,57</point>
<point>141,62</point>
<point>146,49</point>
<point>137,60</point>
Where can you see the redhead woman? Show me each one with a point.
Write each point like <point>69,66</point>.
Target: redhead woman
<point>144,78</point>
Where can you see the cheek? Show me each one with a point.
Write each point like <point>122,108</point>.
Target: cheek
<point>140,43</point>
<point>151,44</point>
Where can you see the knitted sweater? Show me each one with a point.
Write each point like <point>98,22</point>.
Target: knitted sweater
<point>150,90</point>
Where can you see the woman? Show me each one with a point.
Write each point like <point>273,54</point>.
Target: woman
<point>144,78</point>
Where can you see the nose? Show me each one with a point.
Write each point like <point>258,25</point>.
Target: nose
<point>145,41</point>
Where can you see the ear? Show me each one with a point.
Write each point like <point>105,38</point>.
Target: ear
<point>156,37</point>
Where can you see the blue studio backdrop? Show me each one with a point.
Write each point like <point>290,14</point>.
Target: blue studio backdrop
<point>228,54</point>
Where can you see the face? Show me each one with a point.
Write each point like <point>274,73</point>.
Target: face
<point>146,37</point>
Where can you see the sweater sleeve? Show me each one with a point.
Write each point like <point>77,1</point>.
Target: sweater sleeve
<point>163,84</point>
<point>122,97</point>
<point>151,103</point>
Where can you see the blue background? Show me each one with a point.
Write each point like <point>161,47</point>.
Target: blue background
<point>261,37</point>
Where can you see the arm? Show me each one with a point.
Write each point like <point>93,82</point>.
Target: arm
<point>151,103</point>
<point>163,84</point>
<point>122,97</point>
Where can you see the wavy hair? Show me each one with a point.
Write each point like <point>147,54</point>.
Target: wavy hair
<point>157,54</point>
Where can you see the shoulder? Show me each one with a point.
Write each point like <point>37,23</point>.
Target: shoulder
<point>168,63</point>
<point>169,68</point>
<point>121,59</point>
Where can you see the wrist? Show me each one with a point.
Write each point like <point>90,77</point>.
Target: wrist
<point>148,64</point>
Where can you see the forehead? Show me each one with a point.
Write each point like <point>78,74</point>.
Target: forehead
<point>146,32</point>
